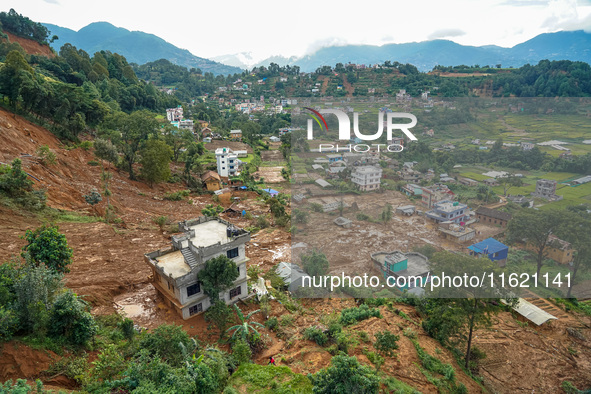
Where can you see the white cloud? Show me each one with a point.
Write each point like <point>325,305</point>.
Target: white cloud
<point>209,28</point>
<point>567,15</point>
<point>446,33</point>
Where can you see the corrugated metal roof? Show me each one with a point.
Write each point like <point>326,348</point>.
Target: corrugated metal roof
<point>532,312</point>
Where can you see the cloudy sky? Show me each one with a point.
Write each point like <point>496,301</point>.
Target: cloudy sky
<point>266,27</point>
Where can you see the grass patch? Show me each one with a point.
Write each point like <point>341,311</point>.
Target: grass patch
<point>473,175</point>
<point>59,216</point>
<point>268,379</point>
<point>394,385</point>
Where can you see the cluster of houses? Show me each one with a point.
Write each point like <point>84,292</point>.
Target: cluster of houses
<point>175,117</point>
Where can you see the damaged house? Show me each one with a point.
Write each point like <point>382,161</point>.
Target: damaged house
<point>175,269</point>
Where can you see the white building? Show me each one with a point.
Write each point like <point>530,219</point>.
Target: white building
<point>174,114</point>
<point>227,162</point>
<point>367,178</point>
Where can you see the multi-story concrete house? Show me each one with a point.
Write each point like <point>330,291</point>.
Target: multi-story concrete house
<point>546,189</point>
<point>449,211</point>
<point>227,162</point>
<point>434,194</point>
<point>174,114</point>
<point>367,178</point>
<point>175,270</point>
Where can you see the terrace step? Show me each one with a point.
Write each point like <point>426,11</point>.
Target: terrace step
<point>189,257</point>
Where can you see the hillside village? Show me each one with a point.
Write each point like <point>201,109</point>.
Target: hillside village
<point>187,230</point>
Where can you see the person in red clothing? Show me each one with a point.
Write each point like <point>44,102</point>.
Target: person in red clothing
<point>271,360</point>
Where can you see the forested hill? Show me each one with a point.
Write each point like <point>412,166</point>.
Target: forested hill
<point>138,47</point>
<point>71,92</point>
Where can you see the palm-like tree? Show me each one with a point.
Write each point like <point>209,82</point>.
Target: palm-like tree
<point>245,326</point>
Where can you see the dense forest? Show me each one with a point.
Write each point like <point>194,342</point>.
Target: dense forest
<point>22,26</point>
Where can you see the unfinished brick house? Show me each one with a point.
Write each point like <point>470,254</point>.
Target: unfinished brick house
<point>492,216</point>
<point>175,269</point>
<point>546,189</point>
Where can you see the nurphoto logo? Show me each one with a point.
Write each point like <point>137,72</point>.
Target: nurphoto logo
<point>345,129</point>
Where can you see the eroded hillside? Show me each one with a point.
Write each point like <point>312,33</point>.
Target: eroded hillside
<point>109,270</point>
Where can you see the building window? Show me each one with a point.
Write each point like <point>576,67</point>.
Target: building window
<point>232,253</point>
<point>193,310</point>
<point>193,289</point>
<point>235,292</point>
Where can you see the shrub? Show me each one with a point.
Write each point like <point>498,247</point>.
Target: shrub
<point>160,221</point>
<point>315,334</point>
<point>109,363</point>
<point>315,207</point>
<point>177,196</point>
<point>287,320</point>
<point>364,336</point>
<point>409,333</point>
<point>343,340</point>
<point>433,364</point>
<point>241,351</point>
<point>220,315</point>
<point>46,245</point>
<point>283,221</point>
<point>8,323</point>
<point>265,307</point>
<point>211,210</point>
<point>93,163</point>
<point>46,155</point>
<point>362,216</point>
<point>86,145</point>
<point>127,329</point>
<point>164,342</point>
<point>374,358</point>
<point>386,342</point>
<point>93,198</point>
<point>69,319</point>
<point>262,222</point>
<point>334,328</point>
<point>315,263</point>
<point>345,375</point>
<point>35,291</point>
<point>14,181</point>
<point>353,315</point>
<point>272,323</point>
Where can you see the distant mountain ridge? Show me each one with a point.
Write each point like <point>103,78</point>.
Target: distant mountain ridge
<point>245,60</point>
<point>139,47</point>
<point>136,46</point>
<point>563,45</point>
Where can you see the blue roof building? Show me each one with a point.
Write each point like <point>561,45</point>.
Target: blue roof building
<point>271,192</point>
<point>493,249</point>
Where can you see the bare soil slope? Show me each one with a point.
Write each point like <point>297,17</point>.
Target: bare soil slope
<point>30,46</point>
